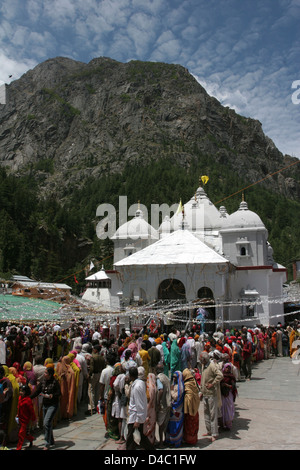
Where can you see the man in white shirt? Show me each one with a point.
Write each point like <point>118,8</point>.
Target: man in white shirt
<point>105,377</point>
<point>96,335</point>
<point>137,412</point>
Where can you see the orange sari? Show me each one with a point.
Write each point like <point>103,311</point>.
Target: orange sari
<point>67,379</point>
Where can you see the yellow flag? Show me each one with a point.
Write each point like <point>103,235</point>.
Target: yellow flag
<point>204,179</point>
<point>179,208</point>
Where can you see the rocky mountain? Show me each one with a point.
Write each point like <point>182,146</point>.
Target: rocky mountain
<point>67,121</point>
<point>76,135</point>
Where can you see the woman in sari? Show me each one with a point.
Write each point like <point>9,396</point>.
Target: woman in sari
<point>149,425</point>
<point>77,371</point>
<point>12,427</point>
<point>228,394</point>
<point>29,373</point>
<point>292,337</point>
<point>175,357</point>
<point>66,377</point>
<point>191,408</point>
<point>174,434</point>
<point>125,345</point>
<point>186,355</point>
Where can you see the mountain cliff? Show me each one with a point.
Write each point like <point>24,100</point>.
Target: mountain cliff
<point>66,121</point>
<point>75,135</point>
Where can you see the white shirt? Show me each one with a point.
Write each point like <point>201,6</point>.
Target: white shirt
<point>82,361</point>
<point>138,402</point>
<point>105,378</point>
<point>96,335</point>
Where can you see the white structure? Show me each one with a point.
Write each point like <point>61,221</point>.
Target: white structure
<point>201,254</point>
<point>133,236</point>
<point>104,289</point>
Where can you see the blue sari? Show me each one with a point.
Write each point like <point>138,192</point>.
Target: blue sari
<point>174,433</point>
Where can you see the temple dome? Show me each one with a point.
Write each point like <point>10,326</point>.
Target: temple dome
<point>136,228</point>
<point>243,218</point>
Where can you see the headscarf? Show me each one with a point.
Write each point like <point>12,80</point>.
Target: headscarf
<point>20,378</point>
<point>180,393</point>
<point>134,349</point>
<point>191,396</point>
<point>141,373</point>
<point>17,366</point>
<point>181,341</point>
<point>63,366</point>
<point>228,379</point>
<point>139,342</point>
<point>74,353</point>
<point>118,369</point>
<point>29,373</point>
<point>49,362</point>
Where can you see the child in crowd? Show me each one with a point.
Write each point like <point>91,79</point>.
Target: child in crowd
<point>25,415</point>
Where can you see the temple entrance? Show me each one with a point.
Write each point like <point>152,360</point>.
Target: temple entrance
<point>172,292</point>
<point>206,314</point>
<point>171,289</point>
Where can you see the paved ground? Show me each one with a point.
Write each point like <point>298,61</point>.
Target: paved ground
<point>267,417</point>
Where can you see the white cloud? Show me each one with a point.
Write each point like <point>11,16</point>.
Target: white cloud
<point>14,68</point>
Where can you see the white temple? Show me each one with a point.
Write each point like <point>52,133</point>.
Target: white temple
<point>200,255</point>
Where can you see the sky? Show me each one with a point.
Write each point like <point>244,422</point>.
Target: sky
<point>245,53</point>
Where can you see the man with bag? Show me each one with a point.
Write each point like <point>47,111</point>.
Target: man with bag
<point>137,412</point>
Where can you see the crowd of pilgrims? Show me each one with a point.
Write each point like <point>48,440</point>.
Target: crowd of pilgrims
<point>48,372</point>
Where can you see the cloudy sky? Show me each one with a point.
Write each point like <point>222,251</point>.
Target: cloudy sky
<point>246,53</point>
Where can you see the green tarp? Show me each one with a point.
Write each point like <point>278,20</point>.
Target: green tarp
<point>22,308</point>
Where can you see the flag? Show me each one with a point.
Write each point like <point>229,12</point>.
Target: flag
<point>91,265</point>
<point>204,179</point>
<point>75,280</point>
<point>179,208</point>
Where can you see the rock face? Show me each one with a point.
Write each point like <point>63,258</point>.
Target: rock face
<point>65,121</point>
